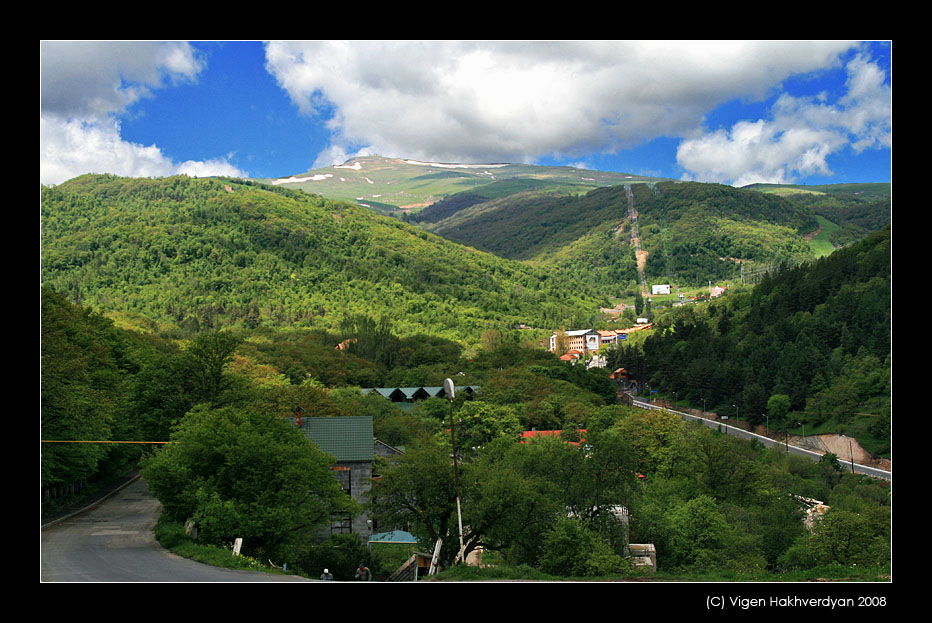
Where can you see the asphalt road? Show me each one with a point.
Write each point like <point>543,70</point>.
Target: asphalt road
<point>740,432</point>
<point>113,542</point>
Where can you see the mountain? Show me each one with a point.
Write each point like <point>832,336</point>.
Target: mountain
<point>609,229</point>
<point>685,232</point>
<point>870,191</point>
<point>395,185</point>
<point>846,212</point>
<point>189,253</point>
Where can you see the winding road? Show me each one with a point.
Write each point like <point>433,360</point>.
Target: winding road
<point>113,542</point>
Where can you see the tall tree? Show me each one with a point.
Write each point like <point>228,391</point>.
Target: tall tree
<point>208,355</point>
<point>245,474</point>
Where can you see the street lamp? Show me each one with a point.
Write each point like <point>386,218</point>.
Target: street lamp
<point>448,389</point>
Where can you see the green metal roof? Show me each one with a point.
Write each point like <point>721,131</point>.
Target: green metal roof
<point>411,393</point>
<point>348,438</point>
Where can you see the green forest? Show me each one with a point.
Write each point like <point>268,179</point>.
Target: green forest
<point>713,506</point>
<point>692,232</point>
<point>818,334</point>
<point>201,254</point>
<point>191,316</point>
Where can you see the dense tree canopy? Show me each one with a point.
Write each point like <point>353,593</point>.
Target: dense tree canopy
<point>818,335</point>
<point>237,303</point>
<point>242,474</point>
<point>203,254</point>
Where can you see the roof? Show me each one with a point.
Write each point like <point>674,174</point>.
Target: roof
<point>399,394</point>
<point>639,327</point>
<point>348,438</point>
<point>580,332</point>
<point>395,536</point>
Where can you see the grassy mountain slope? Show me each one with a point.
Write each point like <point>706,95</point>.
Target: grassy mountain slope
<point>195,253</point>
<point>393,184</point>
<point>862,190</point>
<point>849,211</point>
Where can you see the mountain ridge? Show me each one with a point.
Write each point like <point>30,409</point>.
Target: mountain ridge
<point>400,185</point>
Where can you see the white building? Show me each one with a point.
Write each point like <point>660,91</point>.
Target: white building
<point>582,340</point>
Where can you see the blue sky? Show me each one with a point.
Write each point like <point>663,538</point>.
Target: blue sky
<point>734,112</point>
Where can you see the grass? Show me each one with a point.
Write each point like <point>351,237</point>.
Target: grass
<point>172,537</point>
<point>525,573</point>
<point>821,244</point>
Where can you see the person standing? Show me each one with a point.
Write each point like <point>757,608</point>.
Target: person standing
<point>363,574</point>
<point>326,575</point>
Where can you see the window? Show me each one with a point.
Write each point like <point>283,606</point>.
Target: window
<point>341,524</point>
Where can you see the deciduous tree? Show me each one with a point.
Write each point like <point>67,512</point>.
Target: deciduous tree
<point>250,475</point>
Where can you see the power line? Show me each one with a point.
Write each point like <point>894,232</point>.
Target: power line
<point>77,441</point>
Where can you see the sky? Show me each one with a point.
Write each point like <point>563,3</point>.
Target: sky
<point>731,112</point>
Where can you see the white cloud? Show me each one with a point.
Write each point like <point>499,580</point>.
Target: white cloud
<point>85,86</point>
<point>520,101</point>
<point>799,138</point>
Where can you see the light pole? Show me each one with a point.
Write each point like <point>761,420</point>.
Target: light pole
<point>448,388</point>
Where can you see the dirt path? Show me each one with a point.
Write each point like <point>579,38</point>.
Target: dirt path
<point>639,253</point>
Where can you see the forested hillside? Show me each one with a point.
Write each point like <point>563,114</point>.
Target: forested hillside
<point>818,335</point>
<point>205,311</point>
<point>691,232</point>
<point>404,187</point>
<point>205,253</point>
<point>695,232</point>
<point>715,507</point>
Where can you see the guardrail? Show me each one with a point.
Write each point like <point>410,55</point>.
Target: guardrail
<point>767,441</point>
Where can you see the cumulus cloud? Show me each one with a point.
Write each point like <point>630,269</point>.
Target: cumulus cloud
<point>800,135</point>
<point>521,101</point>
<point>86,86</point>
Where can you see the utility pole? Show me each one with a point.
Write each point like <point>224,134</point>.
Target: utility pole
<point>448,388</point>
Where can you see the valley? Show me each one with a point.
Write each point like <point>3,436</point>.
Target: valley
<point>178,299</point>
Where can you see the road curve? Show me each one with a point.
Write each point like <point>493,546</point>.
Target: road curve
<point>114,542</point>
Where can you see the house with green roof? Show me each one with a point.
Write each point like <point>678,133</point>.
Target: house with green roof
<point>350,440</point>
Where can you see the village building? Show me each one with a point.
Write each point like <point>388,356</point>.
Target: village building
<point>405,397</point>
<point>351,441</point>
<point>583,340</point>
